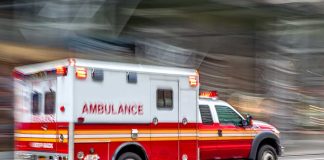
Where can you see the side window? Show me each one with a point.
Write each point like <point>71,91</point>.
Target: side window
<point>205,113</point>
<point>164,99</point>
<point>227,115</point>
<point>50,102</point>
<point>36,101</point>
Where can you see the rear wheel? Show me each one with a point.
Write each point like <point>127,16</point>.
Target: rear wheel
<point>267,152</point>
<point>129,156</point>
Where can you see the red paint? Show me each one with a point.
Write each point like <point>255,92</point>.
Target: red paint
<point>101,148</point>
<point>165,149</point>
<point>188,147</point>
<point>54,147</point>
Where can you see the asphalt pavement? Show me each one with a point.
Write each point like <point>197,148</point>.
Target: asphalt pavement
<point>304,157</point>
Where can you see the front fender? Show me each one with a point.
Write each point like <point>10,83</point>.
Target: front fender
<point>259,138</point>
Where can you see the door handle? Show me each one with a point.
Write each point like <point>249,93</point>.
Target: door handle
<point>220,133</point>
<point>184,121</point>
<point>155,121</point>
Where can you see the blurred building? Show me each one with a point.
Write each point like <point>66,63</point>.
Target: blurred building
<point>263,56</point>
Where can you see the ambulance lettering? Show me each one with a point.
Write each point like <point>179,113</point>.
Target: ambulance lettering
<point>41,145</point>
<point>110,109</point>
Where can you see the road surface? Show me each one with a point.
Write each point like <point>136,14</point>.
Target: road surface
<point>304,157</point>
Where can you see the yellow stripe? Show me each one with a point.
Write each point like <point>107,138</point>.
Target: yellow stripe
<point>108,131</point>
<point>40,139</point>
<point>78,140</point>
<point>224,131</point>
<point>225,138</point>
<point>129,130</point>
<point>41,131</point>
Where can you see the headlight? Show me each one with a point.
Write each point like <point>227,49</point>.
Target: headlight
<point>275,130</point>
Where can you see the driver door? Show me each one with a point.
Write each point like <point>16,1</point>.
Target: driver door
<point>235,140</point>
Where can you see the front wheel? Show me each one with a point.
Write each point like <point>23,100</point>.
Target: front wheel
<point>129,156</point>
<point>267,152</point>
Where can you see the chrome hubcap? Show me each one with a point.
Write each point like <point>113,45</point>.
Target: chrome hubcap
<point>267,155</point>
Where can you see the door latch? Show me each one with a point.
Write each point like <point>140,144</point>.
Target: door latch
<point>220,133</point>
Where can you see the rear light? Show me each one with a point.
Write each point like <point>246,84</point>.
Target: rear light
<point>208,94</point>
<point>81,73</point>
<point>62,109</point>
<point>61,71</point>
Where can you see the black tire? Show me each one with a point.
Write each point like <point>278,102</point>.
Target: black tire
<point>267,152</point>
<point>129,156</point>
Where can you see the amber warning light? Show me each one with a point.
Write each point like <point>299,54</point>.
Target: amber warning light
<point>193,80</point>
<point>81,73</point>
<point>61,71</point>
<point>208,94</point>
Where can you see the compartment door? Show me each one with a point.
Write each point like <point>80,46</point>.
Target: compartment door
<point>164,115</point>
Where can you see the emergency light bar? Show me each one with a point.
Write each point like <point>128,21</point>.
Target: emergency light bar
<point>61,71</point>
<point>81,73</point>
<point>208,94</point>
<point>193,80</point>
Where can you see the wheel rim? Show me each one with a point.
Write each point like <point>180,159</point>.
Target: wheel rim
<point>268,155</point>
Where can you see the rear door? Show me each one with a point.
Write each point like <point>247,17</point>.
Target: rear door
<point>38,126</point>
<point>164,115</point>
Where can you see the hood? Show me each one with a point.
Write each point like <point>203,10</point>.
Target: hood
<point>264,126</point>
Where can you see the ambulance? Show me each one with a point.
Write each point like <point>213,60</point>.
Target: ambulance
<point>77,109</point>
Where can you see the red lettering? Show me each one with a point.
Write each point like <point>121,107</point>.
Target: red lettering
<point>121,109</point>
<point>107,110</point>
<point>113,109</point>
<point>127,109</point>
<point>134,112</point>
<point>85,109</point>
<point>93,109</point>
<point>100,109</point>
<point>140,109</point>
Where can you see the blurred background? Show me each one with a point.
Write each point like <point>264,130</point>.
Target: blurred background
<point>265,57</point>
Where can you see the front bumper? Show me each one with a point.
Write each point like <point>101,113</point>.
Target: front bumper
<point>281,150</point>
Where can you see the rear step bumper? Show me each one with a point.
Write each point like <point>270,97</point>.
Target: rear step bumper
<point>27,155</point>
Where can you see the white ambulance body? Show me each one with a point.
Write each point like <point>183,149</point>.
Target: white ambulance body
<point>53,99</point>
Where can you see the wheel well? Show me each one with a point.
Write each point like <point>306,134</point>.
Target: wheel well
<point>269,141</point>
<point>134,149</point>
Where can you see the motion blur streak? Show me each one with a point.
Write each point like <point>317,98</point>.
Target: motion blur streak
<point>265,57</point>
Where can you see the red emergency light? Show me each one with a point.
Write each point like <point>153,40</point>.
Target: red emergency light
<point>81,73</point>
<point>208,94</point>
<point>61,71</point>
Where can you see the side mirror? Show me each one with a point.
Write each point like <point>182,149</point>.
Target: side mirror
<point>248,121</point>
